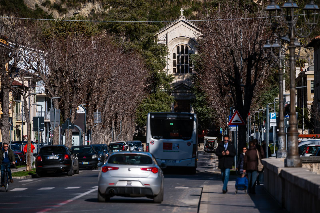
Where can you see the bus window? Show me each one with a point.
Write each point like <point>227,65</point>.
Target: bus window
<point>162,128</point>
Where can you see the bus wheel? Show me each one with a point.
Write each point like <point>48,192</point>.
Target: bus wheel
<point>193,170</point>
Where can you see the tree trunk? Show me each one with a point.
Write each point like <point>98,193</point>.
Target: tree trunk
<point>5,128</point>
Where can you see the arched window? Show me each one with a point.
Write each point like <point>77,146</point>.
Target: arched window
<point>181,60</point>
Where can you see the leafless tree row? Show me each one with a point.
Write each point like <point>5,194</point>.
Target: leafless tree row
<point>234,62</point>
<point>88,70</point>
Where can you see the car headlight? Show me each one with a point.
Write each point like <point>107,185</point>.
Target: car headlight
<point>94,156</point>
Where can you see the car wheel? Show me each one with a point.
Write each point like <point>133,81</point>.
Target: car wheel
<point>159,198</point>
<point>39,174</point>
<point>102,198</point>
<point>70,172</point>
<point>193,170</point>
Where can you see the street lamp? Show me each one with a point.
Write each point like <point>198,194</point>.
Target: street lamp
<point>310,10</point>
<point>302,87</point>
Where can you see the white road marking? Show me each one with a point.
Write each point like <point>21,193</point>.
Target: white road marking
<point>46,188</point>
<point>75,187</point>
<point>21,181</point>
<point>96,170</point>
<point>18,189</point>
<point>69,201</point>
<point>181,187</point>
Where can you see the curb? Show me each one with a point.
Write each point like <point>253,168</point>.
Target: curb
<point>23,177</point>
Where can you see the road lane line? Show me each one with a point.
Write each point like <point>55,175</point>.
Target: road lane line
<point>21,181</point>
<point>46,188</point>
<point>181,187</point>
<point>75,187</point>
<point>18,189</point>
<point>69,201</point>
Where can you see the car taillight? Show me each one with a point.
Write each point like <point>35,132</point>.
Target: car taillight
<point>123,148</point>
<point>194,150</point>
<point>307,151</point>
<point>39,158</point>
<point>66,157</point>
<point>151,169</point>
<point>147,148</point>
<point>108,168</point>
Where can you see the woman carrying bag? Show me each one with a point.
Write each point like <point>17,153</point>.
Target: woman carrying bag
<point>250,166</point>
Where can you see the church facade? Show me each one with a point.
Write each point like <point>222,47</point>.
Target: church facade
<point>181,39</point>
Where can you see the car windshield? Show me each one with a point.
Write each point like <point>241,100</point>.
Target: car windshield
<point>130,159</point>
<point>52,150</point>
<point>82,150</point>
<point>115,146</point>
<point>15,147</point>
<point>137,143</point>
<point>98,148</point>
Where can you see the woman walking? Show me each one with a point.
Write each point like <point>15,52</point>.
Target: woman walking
<point>250,166</point>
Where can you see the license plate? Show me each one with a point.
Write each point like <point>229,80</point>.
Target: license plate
<point>53,157</point>
<point>85,162</point>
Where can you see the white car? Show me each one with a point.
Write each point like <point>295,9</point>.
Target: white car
<point>131,174</point>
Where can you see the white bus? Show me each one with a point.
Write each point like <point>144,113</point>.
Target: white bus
<point>173,139</point>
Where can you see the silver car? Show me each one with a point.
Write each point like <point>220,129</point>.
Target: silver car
<point>135,174</point>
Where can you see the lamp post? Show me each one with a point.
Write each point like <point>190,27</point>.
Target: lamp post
<point>293,158</point>
<point>85,117</point>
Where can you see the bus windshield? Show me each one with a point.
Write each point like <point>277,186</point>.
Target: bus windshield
<point>171,127</point>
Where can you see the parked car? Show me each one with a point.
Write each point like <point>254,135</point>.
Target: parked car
<point>131,174</point>
<point>310,150</point>
<point>16,150</point>
<point>103,153</point>
<point>87,156</point>
<point>117,147</point>
<point>56,158</point>
<point>135,146</point>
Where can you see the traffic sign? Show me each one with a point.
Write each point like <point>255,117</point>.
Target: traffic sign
<point>236,119</point>
<point>273,117</point>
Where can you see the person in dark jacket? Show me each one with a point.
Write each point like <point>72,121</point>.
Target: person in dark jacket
<point>6,157</point>
<point>250,166</point>
<point>241,159</point>
<point>225,153</point>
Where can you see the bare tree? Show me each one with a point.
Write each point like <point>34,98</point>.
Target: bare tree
<point>234,63</point>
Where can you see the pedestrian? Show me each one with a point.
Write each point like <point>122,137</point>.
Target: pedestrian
<point>6,157</point>
<point>262,154</point>
<point>241,159</point>
<point>250,166</point>
<point>225,153</point>
<point>25,148</point>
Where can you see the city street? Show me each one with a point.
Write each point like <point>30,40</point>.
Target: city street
<point>60,193</point>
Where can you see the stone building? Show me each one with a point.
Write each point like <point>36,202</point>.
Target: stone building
<point>181,39</point>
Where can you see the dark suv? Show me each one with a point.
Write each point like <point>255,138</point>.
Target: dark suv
<point>56,158</point>
<point>87,155</point>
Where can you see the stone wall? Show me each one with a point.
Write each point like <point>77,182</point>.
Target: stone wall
<point>295,189</point>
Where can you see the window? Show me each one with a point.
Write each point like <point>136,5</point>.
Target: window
<point>312,86</point>
<point>181,60</point>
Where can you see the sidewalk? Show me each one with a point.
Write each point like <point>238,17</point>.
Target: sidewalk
<point>213,200</point>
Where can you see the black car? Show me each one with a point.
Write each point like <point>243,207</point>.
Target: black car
<point>56,158</point>
<point>102,150</point>
<point>87,156</point>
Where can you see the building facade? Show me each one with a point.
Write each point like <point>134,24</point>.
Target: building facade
<point>181,39</point>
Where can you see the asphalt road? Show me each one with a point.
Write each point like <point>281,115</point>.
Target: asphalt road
<point>61,193</point>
